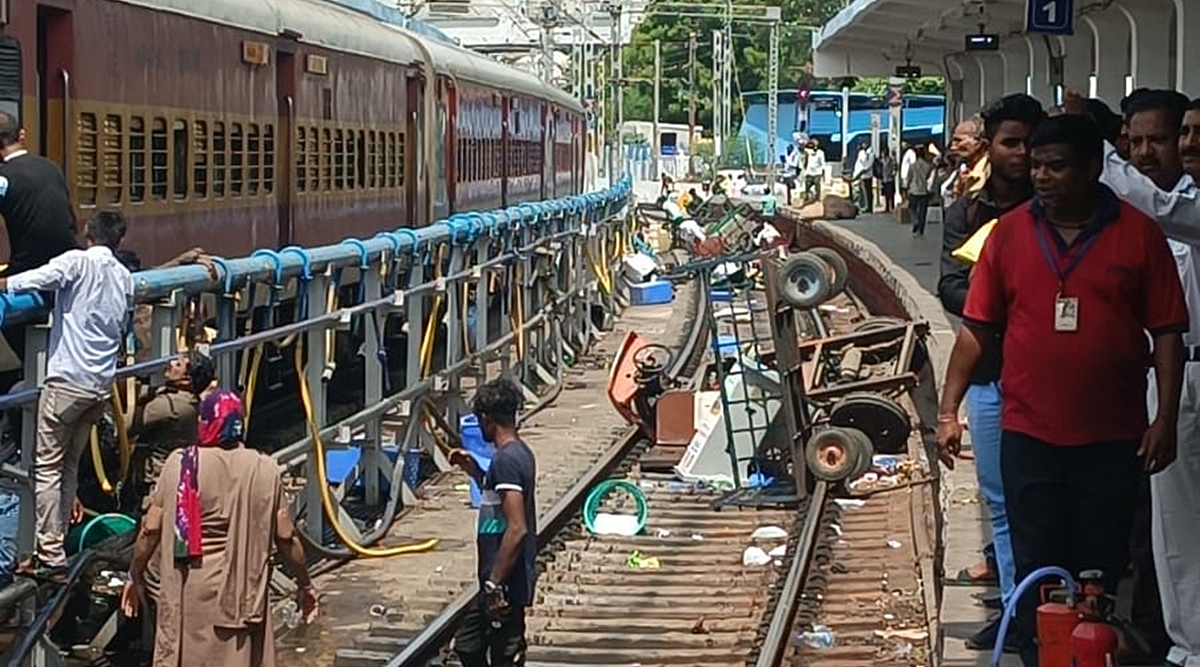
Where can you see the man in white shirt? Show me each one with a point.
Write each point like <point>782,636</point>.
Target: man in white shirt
<point>91,311</point>
<point>863,176</point>
<point>1146,184</point>
<point>814,171</point>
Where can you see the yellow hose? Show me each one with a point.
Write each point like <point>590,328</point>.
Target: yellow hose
<point>124,445</point>
<point>431,323</point>
<point>517,316</point>
<point>323,479</point>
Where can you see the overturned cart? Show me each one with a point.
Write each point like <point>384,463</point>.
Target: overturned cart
<point>776,387</point>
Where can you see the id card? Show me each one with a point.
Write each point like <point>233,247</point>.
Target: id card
<point>1066,313</point>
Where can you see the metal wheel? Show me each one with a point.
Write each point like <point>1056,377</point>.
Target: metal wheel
<point>832,454</point>
<point>805,280</point>
<point>885,424</point>
<point>841,272</point>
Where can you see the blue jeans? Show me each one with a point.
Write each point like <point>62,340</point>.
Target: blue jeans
<point>983,411</point>
<point>10,512</point>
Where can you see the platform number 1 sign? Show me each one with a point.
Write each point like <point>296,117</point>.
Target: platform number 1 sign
<point>1051,17</point>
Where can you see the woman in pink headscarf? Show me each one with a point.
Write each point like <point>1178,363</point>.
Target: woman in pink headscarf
<point>222,505</point>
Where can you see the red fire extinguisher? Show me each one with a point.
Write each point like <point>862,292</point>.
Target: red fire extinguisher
<point>1074,628</point>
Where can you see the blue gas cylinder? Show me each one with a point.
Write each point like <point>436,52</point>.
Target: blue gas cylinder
<point>480,449</point>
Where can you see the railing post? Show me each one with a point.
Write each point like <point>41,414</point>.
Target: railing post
<point>314,348</point>
<point>373,463</point>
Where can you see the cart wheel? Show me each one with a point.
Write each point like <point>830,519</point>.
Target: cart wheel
<point>805,280</point>
<point>885,424</point>
<point>864,453</point>
<point>832,454</point>
<point>841,272</point>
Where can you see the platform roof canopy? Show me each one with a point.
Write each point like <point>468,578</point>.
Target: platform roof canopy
<point>1100,47</point>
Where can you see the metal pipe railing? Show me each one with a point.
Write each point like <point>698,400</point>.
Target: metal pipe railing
<point>155,284</point>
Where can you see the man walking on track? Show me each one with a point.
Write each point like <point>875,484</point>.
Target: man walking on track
<point>507,540</point>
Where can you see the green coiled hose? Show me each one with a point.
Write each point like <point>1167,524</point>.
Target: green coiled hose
<point>591,506</point>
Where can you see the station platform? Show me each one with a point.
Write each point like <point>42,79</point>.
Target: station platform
<point>914,266</point>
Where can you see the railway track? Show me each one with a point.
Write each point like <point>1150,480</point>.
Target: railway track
<point>712,580</point>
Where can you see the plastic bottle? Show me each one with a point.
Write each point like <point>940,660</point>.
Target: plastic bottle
<point>291,614</point>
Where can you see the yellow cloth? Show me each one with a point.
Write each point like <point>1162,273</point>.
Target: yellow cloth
<point>969,252</point>
<point>684,200</point>
<point>978,176</point>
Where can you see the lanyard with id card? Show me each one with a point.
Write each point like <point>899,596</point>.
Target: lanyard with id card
<point>1066,308</point>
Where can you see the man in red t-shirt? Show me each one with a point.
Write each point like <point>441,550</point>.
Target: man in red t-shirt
<point>1074,279</point>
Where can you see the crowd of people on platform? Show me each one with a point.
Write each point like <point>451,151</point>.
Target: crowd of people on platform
<point>1069,253</point>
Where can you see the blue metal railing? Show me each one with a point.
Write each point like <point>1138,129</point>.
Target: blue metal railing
<point>288,262</point>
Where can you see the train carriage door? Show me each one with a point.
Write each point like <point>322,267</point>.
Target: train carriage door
<point>505,142</point>
<point>547,141</point>
<point>414,155</point>
<point>286,133</point>
<point>451,147</point>
<point>441,172</point>
<point>10,78</point>
<point>55,62</point>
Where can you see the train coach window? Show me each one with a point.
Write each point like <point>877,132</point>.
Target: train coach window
<point>301,158</point>
<point>360,162</point>
<point>253,159</point>
<point>314,164</point>
<point>268,181</point>
<point>137,159</point>
<point>219,159</point>
<point>372,160</point>
<point>326,159</point>
<point>237,157</point>
<point>200,159</point>
<point>114,158</point>
<point>339,160</point>
<point>179,159</point>
<point>158,158</point>
<point>86,159</point>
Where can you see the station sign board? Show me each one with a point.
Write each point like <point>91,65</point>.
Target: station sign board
<point>1050,17</point>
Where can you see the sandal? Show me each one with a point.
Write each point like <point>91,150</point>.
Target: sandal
<point>965,578</point>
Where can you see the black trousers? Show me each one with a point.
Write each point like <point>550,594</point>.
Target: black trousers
<point>478,644</point>
<point>1067,506</point>
<point>918,206</point>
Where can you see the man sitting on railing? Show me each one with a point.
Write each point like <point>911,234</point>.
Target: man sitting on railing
<point>91,308</point>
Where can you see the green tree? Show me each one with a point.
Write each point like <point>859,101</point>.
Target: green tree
<point>926,85</point>
<point>751,43</point>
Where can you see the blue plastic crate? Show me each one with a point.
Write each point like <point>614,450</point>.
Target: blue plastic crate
<point>652,292</point>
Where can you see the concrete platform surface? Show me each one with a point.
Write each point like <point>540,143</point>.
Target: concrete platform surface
<point>965,529</point>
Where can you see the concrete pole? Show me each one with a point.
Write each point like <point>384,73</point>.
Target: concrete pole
<point>655,148</point>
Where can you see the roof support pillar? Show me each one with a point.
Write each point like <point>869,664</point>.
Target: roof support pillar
<point>992,68</point>
<point>1078,50</point>
<point>1187,47</point>
<point>1015,56</point>
<point>972,87</point>
<point>1152,57</point>
<point>1040,84</point>
<point>1111,38</point>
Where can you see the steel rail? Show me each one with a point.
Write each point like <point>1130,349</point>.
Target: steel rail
<point>440,631</point>
<point>777,639</point>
